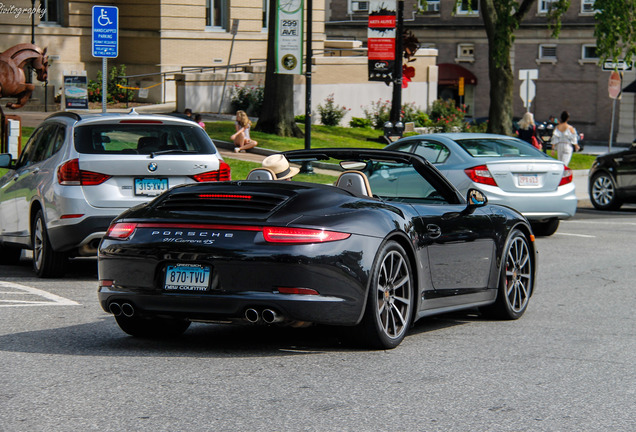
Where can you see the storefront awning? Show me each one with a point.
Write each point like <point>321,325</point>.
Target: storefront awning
<point>450,73</point>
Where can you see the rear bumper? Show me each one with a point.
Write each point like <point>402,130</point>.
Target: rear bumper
<point>87,232</point>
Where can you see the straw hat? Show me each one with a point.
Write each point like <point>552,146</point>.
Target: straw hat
<point>280,166</point>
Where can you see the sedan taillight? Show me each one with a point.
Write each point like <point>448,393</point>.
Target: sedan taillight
<point>301,235</point>
<point>223,174</point>
<point>481,174</point>
<point>69,174</point>
<point>567,176</point>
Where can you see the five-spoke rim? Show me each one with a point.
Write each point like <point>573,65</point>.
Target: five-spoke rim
<point>394,294</point>
<point>518,275</point>
<point>603,190</point>
<point>38,243</point>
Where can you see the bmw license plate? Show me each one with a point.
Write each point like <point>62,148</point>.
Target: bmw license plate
<point>187,277</point>
<point>528,180</point>
<point>150,186</point>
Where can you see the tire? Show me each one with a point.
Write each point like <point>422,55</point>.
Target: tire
<point>516,280</point>
<point>603,192</point>
<point>9,255</point>
<point>152,327</point>
<point>47,263</point>
<point>390,303</point>
<point>545,229</point>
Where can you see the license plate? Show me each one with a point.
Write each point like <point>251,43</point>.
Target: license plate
<point>150,186</point>
<point>187,278</point>
<point>528,180</point>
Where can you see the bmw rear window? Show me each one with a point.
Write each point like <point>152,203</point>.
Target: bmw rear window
<point>494,147</point>
<point>121,138</point>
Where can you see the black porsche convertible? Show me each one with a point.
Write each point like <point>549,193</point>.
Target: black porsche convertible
<point>389,242</point>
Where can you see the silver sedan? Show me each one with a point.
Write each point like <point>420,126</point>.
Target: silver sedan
<point>508,170</point>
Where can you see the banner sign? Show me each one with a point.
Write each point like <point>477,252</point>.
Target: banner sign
<point>75,91</point>
<point>289,36</point>
<point>381,39</point>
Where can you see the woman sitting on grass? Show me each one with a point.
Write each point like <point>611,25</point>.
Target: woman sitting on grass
<point>241,138</point>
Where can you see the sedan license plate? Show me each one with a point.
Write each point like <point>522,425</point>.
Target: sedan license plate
<point>187,278</point>
<point>150,186</point>
<point>528,180</point>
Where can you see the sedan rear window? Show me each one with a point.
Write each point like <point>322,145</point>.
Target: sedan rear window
<point>142,139</point>
<point>498,147</point>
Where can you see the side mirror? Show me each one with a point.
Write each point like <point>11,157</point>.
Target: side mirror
<point>475,199</point>
<point>5,160</point>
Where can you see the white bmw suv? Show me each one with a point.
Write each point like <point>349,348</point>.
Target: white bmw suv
<point>78,172</point>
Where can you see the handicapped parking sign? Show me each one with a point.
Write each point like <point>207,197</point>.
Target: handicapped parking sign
<point>105,31</point>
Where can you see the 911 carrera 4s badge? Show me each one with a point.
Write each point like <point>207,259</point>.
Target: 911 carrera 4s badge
<point>187,278</point>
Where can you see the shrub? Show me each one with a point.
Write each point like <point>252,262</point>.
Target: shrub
<point>115,87</point>
<point>330,113</point>
<point>379,113</point>
<point>447,117</point>
<point>300,119</point>
<point>358,122</point>
<point>248,99</point>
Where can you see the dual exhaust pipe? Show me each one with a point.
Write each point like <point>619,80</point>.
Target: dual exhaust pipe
<point>125,309</point>
<point>268,316</point>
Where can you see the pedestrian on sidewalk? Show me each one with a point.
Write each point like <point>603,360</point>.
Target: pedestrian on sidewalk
<point>528,130</point>
<point>564,139</point>
<point>241,138</point>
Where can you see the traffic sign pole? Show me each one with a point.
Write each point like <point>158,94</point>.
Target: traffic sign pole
<point>105,41</point>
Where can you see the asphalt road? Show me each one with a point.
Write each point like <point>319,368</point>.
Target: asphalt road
<point>568,365</point>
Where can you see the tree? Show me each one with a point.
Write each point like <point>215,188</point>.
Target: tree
<point>615,30</point>
<point>501,19</point>
<point>277,113</point>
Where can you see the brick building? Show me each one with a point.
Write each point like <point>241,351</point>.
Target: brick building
<point>569,77</point>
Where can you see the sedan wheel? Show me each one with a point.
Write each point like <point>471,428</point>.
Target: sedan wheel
<point>603,193</point>
<point>516,282</point>
<point>545,229</point>
<point>46,261</point>
<point>390,304</point>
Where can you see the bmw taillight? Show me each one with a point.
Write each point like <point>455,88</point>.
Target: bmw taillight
<point>567,176</point>
<point>70,174</point>
<point>121,230</point>
<point>481,174</point>
<point>301,235</point>
<point>223,174</point>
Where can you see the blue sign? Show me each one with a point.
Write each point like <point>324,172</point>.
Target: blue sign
<point>105,31</point>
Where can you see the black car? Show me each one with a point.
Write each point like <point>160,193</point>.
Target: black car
<point>390,242</point>
<point>612,179</point>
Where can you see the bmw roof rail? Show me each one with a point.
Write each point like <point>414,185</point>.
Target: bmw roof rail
<point>73,115</point>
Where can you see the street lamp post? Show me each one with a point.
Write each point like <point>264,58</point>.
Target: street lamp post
<point>306,165</point>
<point>396,104</point>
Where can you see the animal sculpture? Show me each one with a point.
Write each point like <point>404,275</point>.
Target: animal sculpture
<point>12,78</point>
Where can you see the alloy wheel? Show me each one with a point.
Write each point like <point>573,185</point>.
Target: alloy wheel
<point>518,275</point>
<point>394,295</point>
<point>603,191</point>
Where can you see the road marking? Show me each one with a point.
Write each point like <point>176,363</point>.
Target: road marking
<point>51,299</point>
<point>576,235</point>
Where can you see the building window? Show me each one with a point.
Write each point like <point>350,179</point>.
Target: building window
<point>432,6</point>
<point>547,54</point>
<point>587,6</point>
<point>468,7</point>
<point>265,13</point>
<point>465,52</point>
<point>51,12</point>
<point>588,52</point>
<point>216,14</point>
<point>358,6</point>
<point>544,6</point>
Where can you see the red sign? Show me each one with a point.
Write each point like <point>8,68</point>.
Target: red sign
<point>614,85</point>
<point>382,21</point>
<point>381,48</point>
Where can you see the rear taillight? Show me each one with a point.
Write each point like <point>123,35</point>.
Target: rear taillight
<point>480,174</point>
<point>566,177</point>
<point>301,235</point>
<point>223,174</point>
<point>69,174</point>
<point>121,230</point>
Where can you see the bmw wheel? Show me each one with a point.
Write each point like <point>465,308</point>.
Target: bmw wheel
<point>389,309</point>
<point>516,281</point>
<point>603,192</point>
<point>152,327</point>
<point>46,261</point>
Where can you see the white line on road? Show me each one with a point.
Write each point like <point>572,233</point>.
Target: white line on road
<point>23,289</point>
<point>576,235</point>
